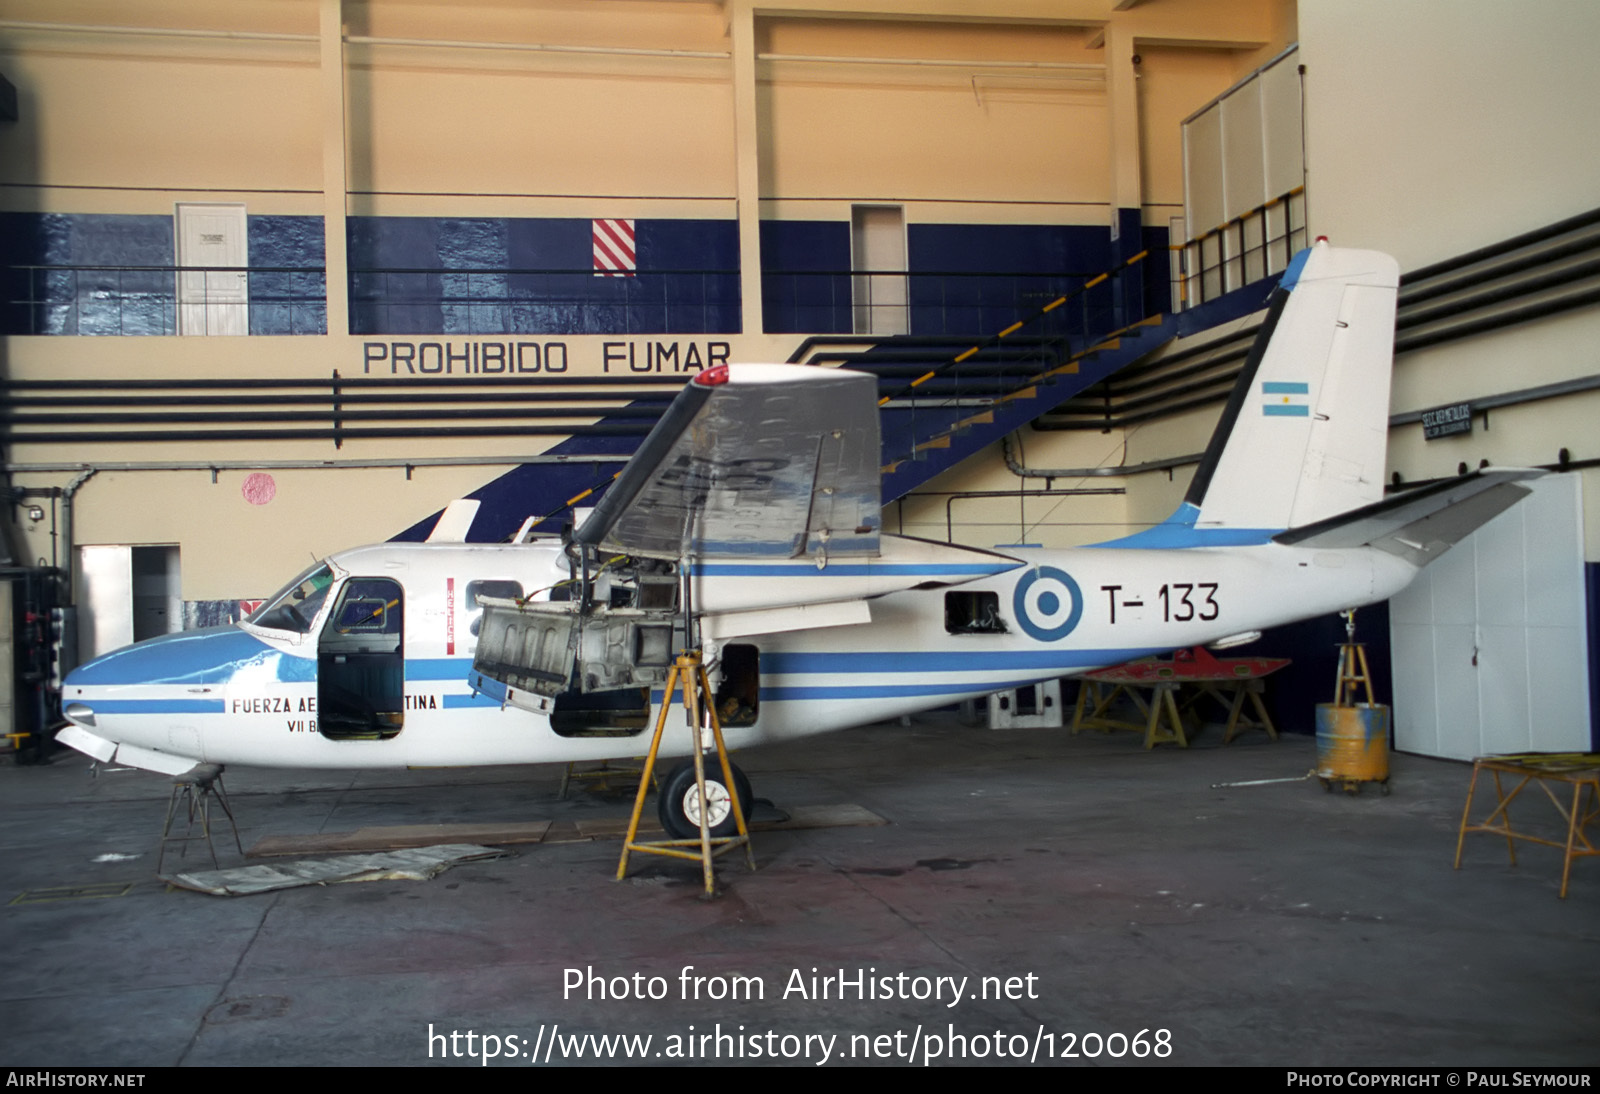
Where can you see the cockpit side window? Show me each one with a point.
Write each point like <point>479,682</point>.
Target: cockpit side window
<point>369,606</point>
<point>296,605</point>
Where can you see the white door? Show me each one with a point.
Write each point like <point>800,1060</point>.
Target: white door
<point>878,246</point>
<point>212,300</point>
<point>125,595</point>
<point>105,600</point>
<point>1490,643</point>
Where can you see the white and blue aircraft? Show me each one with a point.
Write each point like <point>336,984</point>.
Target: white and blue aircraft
<point>753,511</point>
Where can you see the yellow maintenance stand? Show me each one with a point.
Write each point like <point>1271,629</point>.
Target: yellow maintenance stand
<point>689,674</point>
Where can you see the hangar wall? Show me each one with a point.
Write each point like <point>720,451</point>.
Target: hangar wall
<point>1412,150</point>
<point>1013,140</point>
<point>1468,161</point>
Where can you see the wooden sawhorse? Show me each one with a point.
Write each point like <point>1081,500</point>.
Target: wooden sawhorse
<point>1579,770</point>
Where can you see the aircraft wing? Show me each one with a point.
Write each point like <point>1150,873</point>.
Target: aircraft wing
<point>776,461</point>
<point>1420,524</point>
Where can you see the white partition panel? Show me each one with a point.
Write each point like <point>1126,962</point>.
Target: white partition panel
<point>1490,646</point>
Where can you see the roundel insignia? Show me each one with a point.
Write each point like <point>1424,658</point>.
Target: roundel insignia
<point>1047,603</point>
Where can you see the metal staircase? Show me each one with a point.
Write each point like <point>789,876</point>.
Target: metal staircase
<point>942,399</point>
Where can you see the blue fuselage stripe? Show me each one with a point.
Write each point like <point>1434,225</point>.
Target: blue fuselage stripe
<point>438,668</point>
<point>1045,661</point>
<point>851,569</point>
<point>876,691</point>
<point>158,706</point>
<point>451,702</point>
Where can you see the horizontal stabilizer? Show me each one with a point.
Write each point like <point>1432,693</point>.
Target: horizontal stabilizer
<point>1421,524</point>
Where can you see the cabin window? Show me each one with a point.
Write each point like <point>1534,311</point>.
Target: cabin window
<point>495,587</point>
<point>973,613</point>
<point>361,662</point>
<point>739,694</point>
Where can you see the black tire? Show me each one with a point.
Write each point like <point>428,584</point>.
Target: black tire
<point>678,810</point>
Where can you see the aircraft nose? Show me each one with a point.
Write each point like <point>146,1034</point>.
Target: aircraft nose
<point>147,703</point>
<point>212,655</point>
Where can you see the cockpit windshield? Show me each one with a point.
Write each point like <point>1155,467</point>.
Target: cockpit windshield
<point>297,604</point>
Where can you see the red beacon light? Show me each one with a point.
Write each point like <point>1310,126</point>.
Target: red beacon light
<point>1322,239</point>
<point>711,377</point>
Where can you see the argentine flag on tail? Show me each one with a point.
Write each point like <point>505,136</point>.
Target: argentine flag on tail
<point>1283,399</point>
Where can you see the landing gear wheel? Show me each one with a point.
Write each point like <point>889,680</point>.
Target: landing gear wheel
<point>679,801</point>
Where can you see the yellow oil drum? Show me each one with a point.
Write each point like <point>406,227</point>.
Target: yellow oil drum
<point>1353,745</point>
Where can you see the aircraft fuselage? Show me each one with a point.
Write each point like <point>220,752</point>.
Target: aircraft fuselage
<point>264,695</point>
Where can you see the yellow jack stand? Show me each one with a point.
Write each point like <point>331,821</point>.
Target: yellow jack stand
<point>691,674</point>
<point>1354,676</point>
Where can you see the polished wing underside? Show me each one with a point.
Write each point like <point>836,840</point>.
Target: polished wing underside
<point>775,461</point>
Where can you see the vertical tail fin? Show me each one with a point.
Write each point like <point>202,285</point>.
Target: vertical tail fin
<point>1303,436</point>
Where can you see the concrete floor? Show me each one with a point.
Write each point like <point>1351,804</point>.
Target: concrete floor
<point>1272,924</point>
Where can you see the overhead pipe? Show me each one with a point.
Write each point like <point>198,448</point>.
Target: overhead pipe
<point>1165,464</point>
<point>598,429</point>
<point>1415,292</point>
<point>357,40</point>
<point>308,465</point>
<point>1493,250</point>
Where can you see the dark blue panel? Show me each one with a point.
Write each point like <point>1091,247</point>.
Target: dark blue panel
<point>282,301</point>
<point>556,302</point>
<point>549,244</point>
<point>387,295</point>
<point>688,244</point>
<point>473,303</point>
<point>22,242</point>
<point>94,289</point>
<point>977,279</point>
<point>1313,645</point>
<point>1128,290</point>
<point>535,490</point>
<point>1052,249</point>
<point>1157,271</point>
<point>805,284</point>
<point>536,276</point>
<point>699,290</point>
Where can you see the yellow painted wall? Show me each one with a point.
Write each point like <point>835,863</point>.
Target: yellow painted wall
<point>114,122</point>
<point>1174,83</point>
<point>949,128</point>
<point>143,118</point>
<point>1434,130</point>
